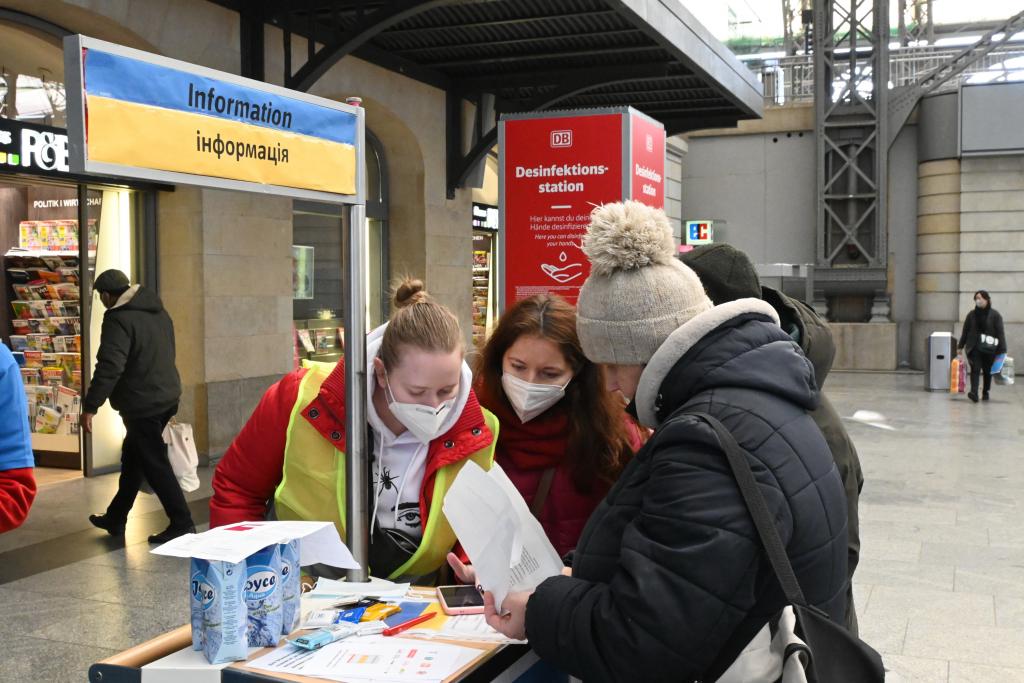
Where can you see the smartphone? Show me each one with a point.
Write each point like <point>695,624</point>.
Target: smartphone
<point>460,600</point>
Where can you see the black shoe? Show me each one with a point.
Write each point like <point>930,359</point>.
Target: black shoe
<point>973,396</point>
<point>171,533</point>
<point>102,522</point>
<point>984,397</point>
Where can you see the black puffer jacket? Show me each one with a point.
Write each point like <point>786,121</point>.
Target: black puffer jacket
<point>135,362</point>
<point>669,579</point>
<point>813,335</point>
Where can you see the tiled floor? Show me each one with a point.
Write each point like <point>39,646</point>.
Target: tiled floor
<point>940,588</point>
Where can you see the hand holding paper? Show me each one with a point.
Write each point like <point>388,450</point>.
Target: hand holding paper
<point>506,544</point>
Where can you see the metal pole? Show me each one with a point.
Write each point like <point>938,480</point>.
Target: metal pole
<point>85,311</point>
<point>357,510</point>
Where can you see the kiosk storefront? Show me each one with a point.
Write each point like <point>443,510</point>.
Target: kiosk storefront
<point>43,319</point>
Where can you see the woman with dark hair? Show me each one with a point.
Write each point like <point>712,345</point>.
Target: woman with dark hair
<point>983,339</point>
<point>564,437</point>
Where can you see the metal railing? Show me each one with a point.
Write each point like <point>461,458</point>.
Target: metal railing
<point>790,80</point>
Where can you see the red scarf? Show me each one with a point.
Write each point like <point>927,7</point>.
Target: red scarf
<point>539,444</point>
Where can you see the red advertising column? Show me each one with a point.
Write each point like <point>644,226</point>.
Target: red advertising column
<point>554,171</point>
<point>648,172</point>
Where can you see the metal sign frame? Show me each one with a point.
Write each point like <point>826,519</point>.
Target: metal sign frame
<point>78,144</point>
<point>357,504</point>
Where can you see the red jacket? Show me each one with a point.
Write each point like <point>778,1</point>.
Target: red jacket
<point>251,469</point>
<point>525,451</point>
<point>17,491</point>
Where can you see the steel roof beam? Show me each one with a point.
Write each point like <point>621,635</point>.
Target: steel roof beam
<point>364,31</point>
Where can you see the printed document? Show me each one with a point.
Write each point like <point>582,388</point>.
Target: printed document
<point>504,541</point>
<point>371,658</point>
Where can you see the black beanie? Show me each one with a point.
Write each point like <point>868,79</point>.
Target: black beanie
<point>112,281</point>
<point>726,272</point>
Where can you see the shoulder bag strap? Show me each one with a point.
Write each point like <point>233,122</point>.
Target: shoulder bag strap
<point>758,509</point>
<point>543,488</point>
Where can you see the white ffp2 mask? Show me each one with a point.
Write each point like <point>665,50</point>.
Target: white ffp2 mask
<point>424,422</point>
<point>530,400</point>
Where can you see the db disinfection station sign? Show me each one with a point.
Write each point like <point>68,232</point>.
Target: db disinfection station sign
<point>555,168</point>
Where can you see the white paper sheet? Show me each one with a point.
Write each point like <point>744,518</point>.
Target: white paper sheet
<point>374,588</point>
<point>504,541</point>
<point>465,627</point>
<point>235,542</point>
<point>371,658</point>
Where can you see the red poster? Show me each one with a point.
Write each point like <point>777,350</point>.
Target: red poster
<point>555,171</point>
<point>648,172</point>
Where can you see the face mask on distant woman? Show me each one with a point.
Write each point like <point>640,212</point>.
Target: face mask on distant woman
<point>530,400</point>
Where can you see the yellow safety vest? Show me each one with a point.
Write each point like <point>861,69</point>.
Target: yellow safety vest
<point>313,481</point>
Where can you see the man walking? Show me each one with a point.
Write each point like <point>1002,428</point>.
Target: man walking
<point>135,370</point>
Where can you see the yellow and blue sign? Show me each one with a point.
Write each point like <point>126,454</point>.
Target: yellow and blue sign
<point>146,112</point>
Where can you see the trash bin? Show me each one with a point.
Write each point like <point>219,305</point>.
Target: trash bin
<point>940,356</point>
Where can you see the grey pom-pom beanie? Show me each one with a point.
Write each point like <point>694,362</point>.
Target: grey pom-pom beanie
<point>638,293</point>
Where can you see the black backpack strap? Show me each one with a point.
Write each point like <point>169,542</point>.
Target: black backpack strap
<point>763,521</point>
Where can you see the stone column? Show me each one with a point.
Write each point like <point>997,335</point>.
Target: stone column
<point>938,252</point>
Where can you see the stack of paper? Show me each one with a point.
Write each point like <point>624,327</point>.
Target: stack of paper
<point>506,544</point>
<point>374,588</point>
<point>371,658</point>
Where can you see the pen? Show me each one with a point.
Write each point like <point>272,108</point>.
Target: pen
<point>395,630</point>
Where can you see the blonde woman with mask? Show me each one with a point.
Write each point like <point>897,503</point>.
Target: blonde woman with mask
<point>288,462</point>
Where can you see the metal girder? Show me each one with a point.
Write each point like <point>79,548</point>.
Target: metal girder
<point>916,25</point>
<point>851,67</point>
<point>555,76</point>
<point>792,24</point>
<point>365,30</point>
<point>905,98</point>
<point>573,85</point>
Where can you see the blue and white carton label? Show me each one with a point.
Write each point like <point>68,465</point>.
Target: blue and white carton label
<point>291,587</point>
<point>263,596</point>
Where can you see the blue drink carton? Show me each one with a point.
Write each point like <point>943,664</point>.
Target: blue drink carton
<point>200,593</point>
<point>220,590</point>
<point>263,597</point>
<point>291,587</point>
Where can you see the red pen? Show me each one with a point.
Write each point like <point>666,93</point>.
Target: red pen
<point>395,630</point>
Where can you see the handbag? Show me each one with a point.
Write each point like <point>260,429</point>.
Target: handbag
<point>987,343</point>
<point>806,646</point>
<point>181,452</point>
<point>957,376</point>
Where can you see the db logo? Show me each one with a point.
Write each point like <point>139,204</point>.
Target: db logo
<point>649,142</point>
<point>561,138</point>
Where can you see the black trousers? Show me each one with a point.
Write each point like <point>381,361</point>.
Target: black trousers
<point>981,363</point>
<point>144,457</point>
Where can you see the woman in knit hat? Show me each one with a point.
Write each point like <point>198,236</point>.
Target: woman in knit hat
<point>669,581</point>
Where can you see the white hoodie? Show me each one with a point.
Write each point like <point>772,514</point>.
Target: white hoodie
<point>402,458</point>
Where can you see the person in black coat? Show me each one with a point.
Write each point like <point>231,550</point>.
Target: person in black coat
<point>135,370</point>
<point>669,581</point>
<point>983,338</point>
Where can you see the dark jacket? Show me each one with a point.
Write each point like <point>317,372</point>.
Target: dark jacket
<point>670,581</point>
<point>135,362</point>
<point>813,335</point>
<point>993,326</point>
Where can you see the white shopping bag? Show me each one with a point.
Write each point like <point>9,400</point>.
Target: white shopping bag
<point>181,451</point>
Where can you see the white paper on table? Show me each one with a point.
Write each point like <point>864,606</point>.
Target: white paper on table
<point>374,588</point>
<point>375,658</point>
<point>506,544</point>
<point>466,627</point>
<point>235,542</point>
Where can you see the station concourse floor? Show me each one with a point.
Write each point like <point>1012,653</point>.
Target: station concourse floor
<point>939,590</point>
